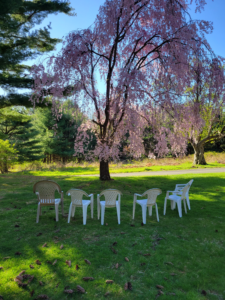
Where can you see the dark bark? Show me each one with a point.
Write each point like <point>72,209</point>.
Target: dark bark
<point>104,170</point>
<point>199,158</point>
<point>4,168</point>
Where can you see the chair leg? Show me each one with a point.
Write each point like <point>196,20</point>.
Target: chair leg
<point>57,212</point>
<point>157,213</point>
<point>134,206</point>
<point>38,213</point>
<point>188,202</point>
<point>98,210</point>
<point>84,214</point>
<point>102,214</point>
<point>70,212</point>
<point>144,213</point>
<point>150,210</point>
<point>185,207</point>
<point>92,209</point>
<point>73,210</point>
<point>165,202</point>
<point>179,209</point>
<point>172,204</point>
<point>62,208</point>
<point>118,213</point>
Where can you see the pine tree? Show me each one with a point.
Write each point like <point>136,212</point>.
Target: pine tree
<point>16,127</point>
<point>60,141</point>
<point>19,43</point>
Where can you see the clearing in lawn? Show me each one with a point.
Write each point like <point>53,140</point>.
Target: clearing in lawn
<point>175,258</point>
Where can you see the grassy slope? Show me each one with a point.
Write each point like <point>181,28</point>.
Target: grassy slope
<point>191,243</point>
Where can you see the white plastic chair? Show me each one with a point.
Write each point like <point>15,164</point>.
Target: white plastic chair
<point>110,201</point>
<point>177,198</point>
<point>77,201</point>
<point>45,190</point>
<point>179,188</point>
<point>149,202</point>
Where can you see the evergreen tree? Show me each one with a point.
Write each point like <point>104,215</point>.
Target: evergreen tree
<point>7,155</point>
<point>18,43</point>
<point>16,127</point>
<point>60,140</point>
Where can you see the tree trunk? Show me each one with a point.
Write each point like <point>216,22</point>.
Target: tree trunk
<point>104,170</point>
<point>4,167</point>
<point>199,158</point>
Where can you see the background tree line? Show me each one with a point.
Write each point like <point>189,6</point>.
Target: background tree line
<point>28,134</point>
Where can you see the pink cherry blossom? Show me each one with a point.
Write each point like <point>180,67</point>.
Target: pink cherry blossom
<point>141,49</point>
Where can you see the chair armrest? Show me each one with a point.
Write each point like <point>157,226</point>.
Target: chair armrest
<point>180,185</point>
<point>138,195</point>
<point>174,192</point>
<point>168,192</point>
<point>37,193</point>
<point>90,195</point>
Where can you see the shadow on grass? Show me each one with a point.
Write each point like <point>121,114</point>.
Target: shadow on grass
<point>193,243</point>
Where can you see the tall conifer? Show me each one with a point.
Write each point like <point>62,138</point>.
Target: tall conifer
<point>19,42</point>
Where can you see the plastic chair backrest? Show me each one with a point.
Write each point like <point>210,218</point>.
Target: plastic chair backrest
<point>76,196</point>
<point>110,197</point>
<point>185,190</point>
<point>46,190</point>
<point>152,195</point>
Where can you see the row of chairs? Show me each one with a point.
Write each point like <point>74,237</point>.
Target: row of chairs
<point>45,190</point>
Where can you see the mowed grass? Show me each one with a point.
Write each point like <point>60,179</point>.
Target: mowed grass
<point>187,255</point>
<point>214,160</point>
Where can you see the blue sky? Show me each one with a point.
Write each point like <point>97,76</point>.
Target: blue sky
<point>87,10</point>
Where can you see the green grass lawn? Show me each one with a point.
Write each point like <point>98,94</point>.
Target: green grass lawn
<point>129,168</point>
<point>214,160</point>
<point>186,254</point>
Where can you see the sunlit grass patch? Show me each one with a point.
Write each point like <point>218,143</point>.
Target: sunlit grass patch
<point>214,160</point>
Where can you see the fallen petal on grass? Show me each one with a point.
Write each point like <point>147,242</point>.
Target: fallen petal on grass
<point>109,281</point>
<point>68,291</point>
<point>88,278</point>
<point>68,262</point>
<point>80,289</point>
<point>54,262</point>
<point>87,261</point>
<point>159,287</point>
